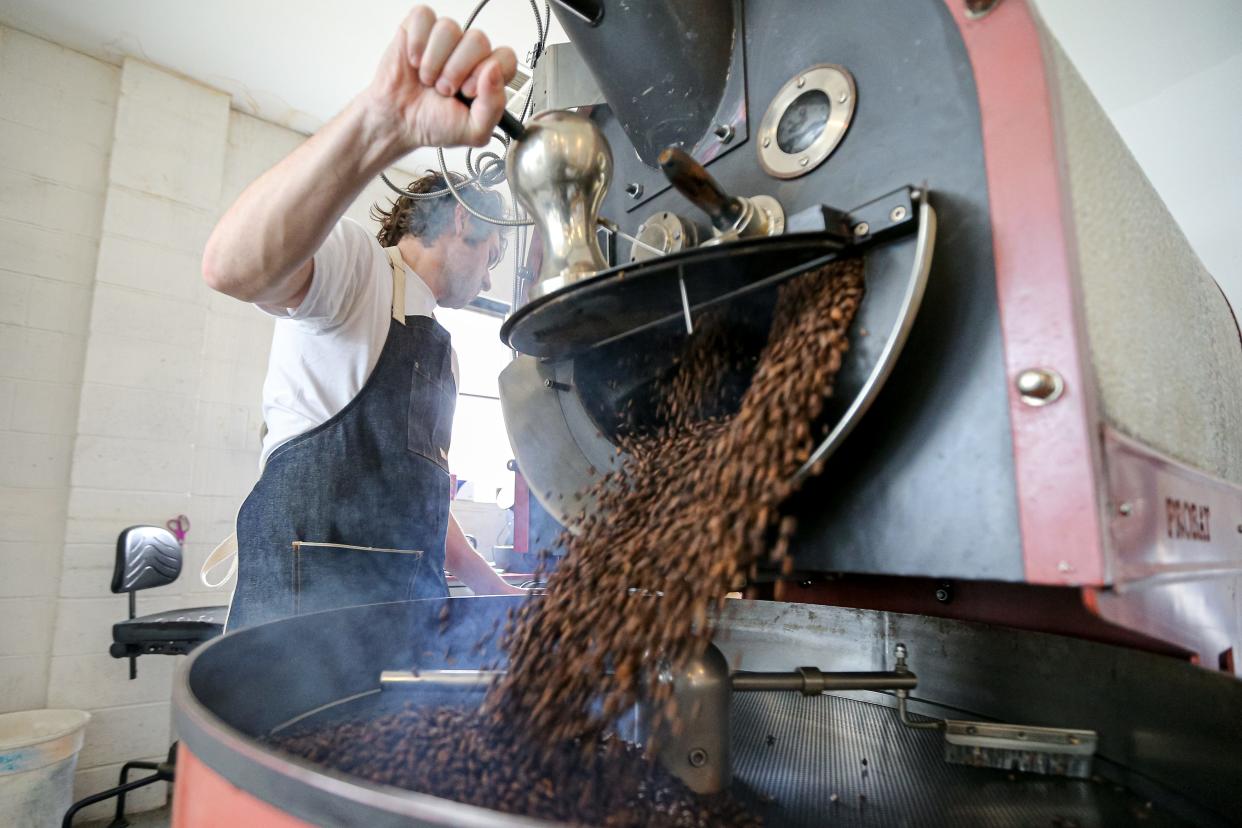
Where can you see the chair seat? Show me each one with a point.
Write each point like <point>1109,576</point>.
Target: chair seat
<point>194,624</point>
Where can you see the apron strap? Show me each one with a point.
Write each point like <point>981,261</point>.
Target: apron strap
<point>398,283</point>
<point>226,550</point>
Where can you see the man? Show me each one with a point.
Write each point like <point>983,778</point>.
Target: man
<point>352,503</point>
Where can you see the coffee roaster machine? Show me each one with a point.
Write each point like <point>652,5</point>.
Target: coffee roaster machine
<point>1031,485</point>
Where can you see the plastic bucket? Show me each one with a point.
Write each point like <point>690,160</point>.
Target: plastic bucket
<point>38,754</point>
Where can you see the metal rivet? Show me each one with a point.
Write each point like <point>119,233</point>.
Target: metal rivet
<point>862,228</point>
<point>767,142</point>
<point>724,132</point>
<point>697,757</point>
<point>634,190</point>
<point>1063,566</point>
<point>1040,386</point>
<point>845,96</point>
<point>803,161</point>
<point>976,9</point>
<point>801,82</point>
<point>1126,509</point>
<point>898,213</point>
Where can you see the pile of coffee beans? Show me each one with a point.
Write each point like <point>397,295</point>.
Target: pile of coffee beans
<point>688,516</point>
<point>461,755</point>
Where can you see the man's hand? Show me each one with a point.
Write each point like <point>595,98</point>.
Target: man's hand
<point>262,248</point>
<point>461,559</point>
<point>427,63</point>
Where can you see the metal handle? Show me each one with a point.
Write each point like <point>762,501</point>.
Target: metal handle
<point>694,182</point>
<point>509,125</point>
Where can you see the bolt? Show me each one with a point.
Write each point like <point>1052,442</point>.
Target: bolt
<point>944,593</point>
<point>697,757</point>
<point>1126,509</point>
<point>845,96</point>
<point>898,213</point>
<point>862,228</point>
<point>1040,386</point>
<point>900,650</point>
<point>801,82</point>
<point>1064,566</point>
<point>724,132</point>
<point>677,236</point>
<point>634,190</point>
<point>803,161</point>
<point>979,8</point>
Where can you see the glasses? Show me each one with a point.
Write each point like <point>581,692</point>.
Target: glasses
<point>496,254</point>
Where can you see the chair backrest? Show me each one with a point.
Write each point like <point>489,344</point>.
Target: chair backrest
<point>146,556</point>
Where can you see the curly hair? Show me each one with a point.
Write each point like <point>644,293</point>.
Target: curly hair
<point>430,218</point>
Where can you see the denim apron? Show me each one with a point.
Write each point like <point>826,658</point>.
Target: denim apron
<point>355,511</point>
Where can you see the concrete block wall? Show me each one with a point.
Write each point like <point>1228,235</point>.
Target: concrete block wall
<point>135,453</point>
<point>56,123</point>
<point>129,392</point>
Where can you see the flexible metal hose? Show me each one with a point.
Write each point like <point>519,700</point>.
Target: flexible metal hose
<point>492,159</point>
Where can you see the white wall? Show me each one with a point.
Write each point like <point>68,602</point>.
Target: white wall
<point>1168,76</point>
<point>129,392</point>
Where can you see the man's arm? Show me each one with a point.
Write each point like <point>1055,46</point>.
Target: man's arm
<point>461,559</point>
<point>261,250</point>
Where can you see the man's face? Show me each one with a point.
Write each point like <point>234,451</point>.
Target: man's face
<point>468,267</point>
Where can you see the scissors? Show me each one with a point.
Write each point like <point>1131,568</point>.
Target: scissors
<point>179,526</point>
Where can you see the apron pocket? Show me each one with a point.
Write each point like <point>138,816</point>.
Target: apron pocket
<point>430,423</point>
<point>335,575</point>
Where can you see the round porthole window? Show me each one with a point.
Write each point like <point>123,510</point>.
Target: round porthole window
<point>806,120</point>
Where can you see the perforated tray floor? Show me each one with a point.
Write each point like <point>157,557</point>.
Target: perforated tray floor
<point>792,754</point>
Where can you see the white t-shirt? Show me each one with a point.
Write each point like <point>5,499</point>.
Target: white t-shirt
<point>323,352</point>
